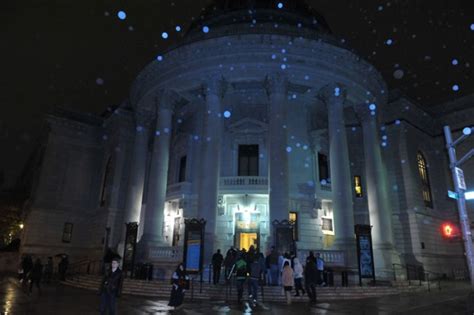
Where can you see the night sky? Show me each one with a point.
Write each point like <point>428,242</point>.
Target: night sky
<point>82,56</point>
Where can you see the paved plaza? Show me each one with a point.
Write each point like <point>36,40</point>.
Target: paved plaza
<point>60,299</point>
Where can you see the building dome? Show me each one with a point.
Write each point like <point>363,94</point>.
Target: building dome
<point>260,15</point>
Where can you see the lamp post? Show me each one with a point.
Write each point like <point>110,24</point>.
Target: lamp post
<point>460,187</point>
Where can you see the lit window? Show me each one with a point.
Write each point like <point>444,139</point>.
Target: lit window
<point>357,186</point>
<point>293,218</point>
<point>425,180</point>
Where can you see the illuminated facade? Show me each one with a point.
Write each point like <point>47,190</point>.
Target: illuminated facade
<point>242,124</point>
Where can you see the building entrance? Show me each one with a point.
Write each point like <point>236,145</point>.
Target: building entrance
<point>247,230</point>
<point>247,239</point>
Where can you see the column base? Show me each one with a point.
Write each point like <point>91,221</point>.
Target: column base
<point>145,248</point>
<point>385,256</point>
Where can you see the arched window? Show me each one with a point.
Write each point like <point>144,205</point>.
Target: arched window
<point>105,182</point>
<point>425,180</point>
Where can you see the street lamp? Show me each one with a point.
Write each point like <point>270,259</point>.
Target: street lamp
<point>460,187</point>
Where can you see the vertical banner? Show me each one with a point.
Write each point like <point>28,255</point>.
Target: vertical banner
<point>365,254</point>
<point>130,247</point>
<point>193,245</point>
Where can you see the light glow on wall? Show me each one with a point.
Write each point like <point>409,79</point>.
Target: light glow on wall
<point>469,195</point>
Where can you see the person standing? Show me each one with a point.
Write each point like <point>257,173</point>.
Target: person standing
<point>180,281</point>
<point>274,270</point>
<point>229,262</point>
<point>217,260</point>
<point>62,268</point>
<point>298,273</point>
<point>111,288</point>
<point>320,267</point>
<point>257,266</point>
<point>287,280</point>
<point>310,278</point>
<point>48,270</point>
<point>36,274</point>
<point>240,276</point>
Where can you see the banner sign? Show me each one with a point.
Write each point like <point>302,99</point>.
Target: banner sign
<point>365,254</point>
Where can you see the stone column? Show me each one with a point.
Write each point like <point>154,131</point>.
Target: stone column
<point>334,95</point>
<point>136,180</point>
<point>377,194</point>
<point>158,177</point>
<point>210,160</point>
<point>277,89</point>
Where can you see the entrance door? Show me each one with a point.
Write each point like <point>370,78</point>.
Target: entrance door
<point>248,239</point>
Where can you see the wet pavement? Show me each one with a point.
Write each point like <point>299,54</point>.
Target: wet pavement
<point>59,299</point>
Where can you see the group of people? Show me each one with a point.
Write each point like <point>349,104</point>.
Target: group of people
<point>32,274</point>
<point>275,269</point>
<point>246,266</point>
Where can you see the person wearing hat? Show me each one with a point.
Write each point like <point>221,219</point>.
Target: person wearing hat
<point>111,287</point>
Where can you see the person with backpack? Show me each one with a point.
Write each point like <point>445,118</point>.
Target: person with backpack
<point>256,269</point>
<point>240,276</point>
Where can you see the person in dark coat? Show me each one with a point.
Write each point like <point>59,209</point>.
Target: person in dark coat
<point>256,269</point>
<point>62,268</point>
<point>36,274</point>
<point>48,270</point>
<point>311,279</point>
<point>217,260</point>
<point>240,270</point>
<point>111,288</point>
<point>274,268</point>
<point>180,281</point>
<point>229,262</point>
<point>27,265</point>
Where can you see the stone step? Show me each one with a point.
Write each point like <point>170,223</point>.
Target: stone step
<point>161,289</point>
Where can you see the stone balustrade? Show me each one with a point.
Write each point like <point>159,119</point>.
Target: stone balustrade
<point>332,258</point>
<point>243,181</point>
<point>165,253</point>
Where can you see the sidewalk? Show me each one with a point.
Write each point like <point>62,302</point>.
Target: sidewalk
<point>59,299</point>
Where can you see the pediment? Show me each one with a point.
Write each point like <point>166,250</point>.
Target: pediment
<point>248,125</point>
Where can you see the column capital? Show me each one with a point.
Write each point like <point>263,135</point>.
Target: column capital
<point>366,112</point>
<point>276,83</point>
<point>143,120</point>
<point>215,85</point>
<point>166,99</point>
<point>333,92</point>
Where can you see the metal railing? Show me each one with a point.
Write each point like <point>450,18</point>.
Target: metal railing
<point>93,267</point>
<point>416,273</point>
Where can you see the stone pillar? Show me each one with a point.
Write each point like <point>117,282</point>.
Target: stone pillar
<point>158,177</point>
<point>277,89</point>
<point>334,95</point>
<point>377,194</point>
<point>136,180</point>
<point>210,160</point>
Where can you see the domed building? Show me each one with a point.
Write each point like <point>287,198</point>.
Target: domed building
<point>268,128</point>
